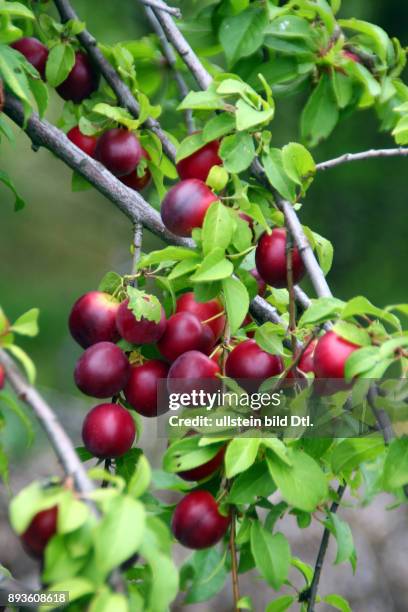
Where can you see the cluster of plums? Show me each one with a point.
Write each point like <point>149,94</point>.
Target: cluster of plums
<point>81,81</point>
<point>117,149</point>
<point>187,340</point>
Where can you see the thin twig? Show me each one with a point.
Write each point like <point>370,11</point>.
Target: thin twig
<point>122,91</point>
<point>291,290</point>
<point>181,45</point>
<point>312,591</point>
<point>163,7</point>
<point>107,465</point>
<point>172,61</point>
<point>370,154</point>
<point>234,564</point>
<point>60,441</point>
<point>137,245</point>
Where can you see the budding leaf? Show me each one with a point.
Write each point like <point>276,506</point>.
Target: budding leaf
<point>144,305</point>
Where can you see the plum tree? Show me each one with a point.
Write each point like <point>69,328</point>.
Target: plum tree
<point>238,203</point>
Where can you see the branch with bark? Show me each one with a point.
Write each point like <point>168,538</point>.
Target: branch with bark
<point>130,202</point>
<point>171,58</point>
<point>362,155</point>
<point>59,439</point>
<point>310,595</point>
<point>121,90</point>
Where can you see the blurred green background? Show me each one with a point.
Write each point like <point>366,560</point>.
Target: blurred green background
<point>62,243</point>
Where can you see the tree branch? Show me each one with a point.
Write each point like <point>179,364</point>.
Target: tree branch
<point>311,593</point>
<point>204,80</point>
<point>137,245</point>
<point>234,564</point>
<point>172,61</point>
<point>60,441</point>
<point>167,9</point>
<point>181,45</point>
<point>130,202</point>
<point>121,90</point>
<point>9,586</point>
<point>371,154</point>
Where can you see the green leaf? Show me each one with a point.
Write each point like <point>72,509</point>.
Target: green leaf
<point>298,164</point>
<point>29,501</point>
<point>350,453</point>
<point>236,302</point>
<point>185,454</point>
<point>218,126</point>
<point>4,178</point>
<point>247,116</point>
<point>144,305</point>
<point>140,479</point>
<point>25,361</point>
<point>377,35</point>
<point>40,94</point>
<point>184,267</point>
<point>27,323</point>
<point>324,250</point>
<point>271,553</point>
<point>396,465</point>
<point>11,62</point>
<point>290,27</point>
<point>60,62</point>
<point>72,513</point>
<point>117,114</point>
<point>15,9</point>
<point>209,574</point>
<point>213,267</point>
<point>170,253</point>
<point>352,333</point>
<point>338,602</point>
<point>280,604</point>
<point>217,228</point>
<point>105,601</point>
<point>321,310</point>
<point>251,484</point>
<point>241,454</point>
<point>320,115</point>
<point>119,533</point>
<point>361,306</point>
<point>110,283</point>
<point>237,152</point>
<point>202,100</point>
<point>190,145</point>
<point>278,448</point>
<point>273,166</point>
<point>77,587</point>
<point>15,407</point>
<point>242,34</point>
<point>343,88</point>
<point>344,538</point>
<point>268,339</point>
<point>303,485</point>
<point>164,578</point>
